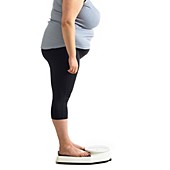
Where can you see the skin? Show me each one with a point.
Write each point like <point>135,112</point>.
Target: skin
<point>70,10</point>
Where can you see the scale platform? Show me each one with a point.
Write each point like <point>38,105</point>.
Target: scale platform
<point>99,154</point>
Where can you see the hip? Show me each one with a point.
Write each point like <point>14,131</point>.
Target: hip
<point>61,51</point>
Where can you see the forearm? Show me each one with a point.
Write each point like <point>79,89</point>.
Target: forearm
<point>68,31</point>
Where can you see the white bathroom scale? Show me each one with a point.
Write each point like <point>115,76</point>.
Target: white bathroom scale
<point>99,154</point>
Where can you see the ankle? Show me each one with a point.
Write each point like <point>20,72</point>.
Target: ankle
<point>67,144</point>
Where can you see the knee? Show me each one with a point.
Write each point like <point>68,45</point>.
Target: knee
<point>59,109</point>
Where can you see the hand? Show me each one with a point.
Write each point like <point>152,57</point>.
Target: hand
<point>73,65</point>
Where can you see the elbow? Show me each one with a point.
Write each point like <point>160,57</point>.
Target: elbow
<point>67,23</point>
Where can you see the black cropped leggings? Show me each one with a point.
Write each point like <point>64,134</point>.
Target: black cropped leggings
<point>62,82</point>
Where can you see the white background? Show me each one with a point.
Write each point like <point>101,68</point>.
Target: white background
<point>121,97</point>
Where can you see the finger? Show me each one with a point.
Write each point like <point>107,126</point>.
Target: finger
<point>75,71</point>
<point>70,70</point>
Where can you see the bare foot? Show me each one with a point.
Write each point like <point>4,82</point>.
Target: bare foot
<point>78,146</point>
<point>71,150</point>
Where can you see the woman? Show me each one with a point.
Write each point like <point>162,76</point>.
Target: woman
<point>65,41</point>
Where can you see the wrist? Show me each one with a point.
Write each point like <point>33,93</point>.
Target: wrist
<point>72,57</point>
<point>72,54</point>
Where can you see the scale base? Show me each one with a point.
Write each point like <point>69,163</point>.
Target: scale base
<point>99,154</point>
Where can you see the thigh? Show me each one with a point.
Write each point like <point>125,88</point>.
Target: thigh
<point>62,82</point>
<point>57,60</point>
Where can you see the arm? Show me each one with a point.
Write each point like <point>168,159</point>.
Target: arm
<point>70,10</point>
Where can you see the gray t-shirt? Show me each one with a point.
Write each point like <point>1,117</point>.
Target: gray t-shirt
<point>87,19</point>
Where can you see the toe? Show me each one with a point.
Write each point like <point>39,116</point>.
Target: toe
<point>87,153</point>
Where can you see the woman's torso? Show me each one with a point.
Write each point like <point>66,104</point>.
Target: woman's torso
<point>87,19</point>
